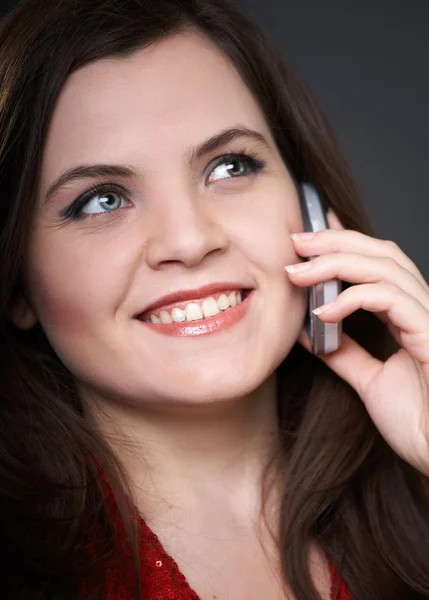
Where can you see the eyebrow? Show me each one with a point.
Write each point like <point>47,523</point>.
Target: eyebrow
<point>193,155</point>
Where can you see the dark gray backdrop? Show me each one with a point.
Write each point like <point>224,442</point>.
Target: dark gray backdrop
<point>368,62</point>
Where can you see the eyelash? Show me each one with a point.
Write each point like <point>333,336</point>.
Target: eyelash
<point>74,211</point>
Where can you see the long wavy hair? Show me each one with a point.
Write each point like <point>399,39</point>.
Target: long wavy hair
<point>345,489</point>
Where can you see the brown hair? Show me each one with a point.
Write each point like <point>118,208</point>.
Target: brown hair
<point>344,487</point>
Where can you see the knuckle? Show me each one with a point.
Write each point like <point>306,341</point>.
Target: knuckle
<point>391,288</point>
<point>390,261</point>
<point>392,246</point>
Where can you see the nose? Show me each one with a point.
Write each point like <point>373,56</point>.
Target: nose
<point>185,231</point>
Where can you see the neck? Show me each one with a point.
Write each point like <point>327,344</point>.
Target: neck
<point>209,456</point>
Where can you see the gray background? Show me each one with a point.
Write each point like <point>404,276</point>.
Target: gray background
<point>367,62</point>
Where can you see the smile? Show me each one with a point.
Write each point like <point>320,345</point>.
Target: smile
<point>217,312</point>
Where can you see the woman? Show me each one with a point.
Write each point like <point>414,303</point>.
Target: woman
<point>150,156</point>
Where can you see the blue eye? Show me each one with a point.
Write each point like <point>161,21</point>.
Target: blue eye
<point>101,199</point>
<point>110,203</point>
<point>108,197</point>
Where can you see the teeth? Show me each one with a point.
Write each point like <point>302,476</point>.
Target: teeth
<point>194,311</point>
<point>210,307</point>
<point>233,299</point>
<point>223,302</point>
<point>165,317</point>
<point>178,315</point>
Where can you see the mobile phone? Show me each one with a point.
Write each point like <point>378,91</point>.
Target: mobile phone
<point>324,337</point>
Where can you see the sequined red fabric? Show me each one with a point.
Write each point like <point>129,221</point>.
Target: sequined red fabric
<point>161,576</point>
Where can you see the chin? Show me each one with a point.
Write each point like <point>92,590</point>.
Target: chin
<point>212,388</point>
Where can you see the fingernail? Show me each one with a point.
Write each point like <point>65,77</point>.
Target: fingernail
<point>307,235</point>
<point>322,308</point>
<point>302,266</point>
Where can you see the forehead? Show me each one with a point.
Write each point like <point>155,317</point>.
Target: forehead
<point>170,95</point>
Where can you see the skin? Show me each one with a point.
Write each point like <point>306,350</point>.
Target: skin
<point>176,410</point>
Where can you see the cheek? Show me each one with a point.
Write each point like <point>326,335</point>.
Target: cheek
<point>70,285</point>
<point>272,247</point>
<point>63,310</point>
<point>269,241</point>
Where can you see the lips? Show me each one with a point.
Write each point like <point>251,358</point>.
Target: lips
<point>169,301</point>
<point>194,329</point>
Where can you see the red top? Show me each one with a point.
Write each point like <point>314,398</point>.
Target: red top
<point>161,576</point>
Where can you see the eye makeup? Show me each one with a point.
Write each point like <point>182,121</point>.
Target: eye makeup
<point>74,212</point>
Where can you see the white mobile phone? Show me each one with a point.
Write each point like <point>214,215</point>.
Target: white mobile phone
<point>324,337</point>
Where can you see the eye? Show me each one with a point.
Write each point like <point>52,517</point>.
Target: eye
<point>232,166</point>
<point>99,200</point>
<point>104,202</point>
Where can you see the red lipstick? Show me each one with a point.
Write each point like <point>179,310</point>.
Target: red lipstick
<point>204,291</point>
<point>220,322</point>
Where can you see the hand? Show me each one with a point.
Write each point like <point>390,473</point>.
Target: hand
<point>395,392</point>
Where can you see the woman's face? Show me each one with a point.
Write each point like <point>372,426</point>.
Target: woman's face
<point>183,220</point>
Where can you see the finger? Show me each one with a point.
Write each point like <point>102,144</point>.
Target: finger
<point>346,240</point>
<point>359,268</point>
<point>402,309</point>
<point>393,329</point>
